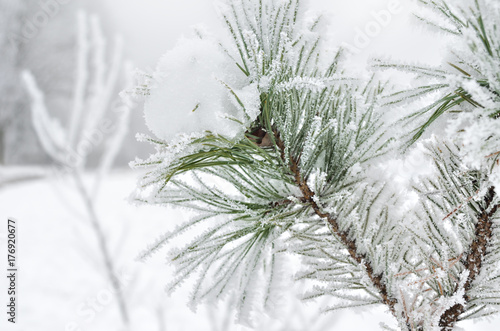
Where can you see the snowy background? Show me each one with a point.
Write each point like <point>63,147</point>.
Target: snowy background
<point>63,283</point>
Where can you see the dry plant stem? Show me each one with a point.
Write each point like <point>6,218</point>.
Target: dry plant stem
<point>350,244</point>
<point>494,154</point>
<point>101,239</point>
<point>474,258</point>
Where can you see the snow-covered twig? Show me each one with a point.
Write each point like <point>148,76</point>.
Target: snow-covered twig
<point>91,106</point>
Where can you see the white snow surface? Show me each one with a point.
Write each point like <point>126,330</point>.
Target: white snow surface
<point>62,285</point>
<point>198,88</point>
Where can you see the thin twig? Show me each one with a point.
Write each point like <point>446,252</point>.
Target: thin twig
<point>101,239</point>
<point>491,155</point>
<point>460,206</point>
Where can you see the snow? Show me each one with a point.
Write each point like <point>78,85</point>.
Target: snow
<point>59,263</point>
<point>62,283</point>
<point>476,128</point>
<point>9,175</point>
<point>197,88</point>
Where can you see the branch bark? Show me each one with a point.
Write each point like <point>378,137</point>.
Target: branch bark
<point>474,259</point>
<point>350,244</point>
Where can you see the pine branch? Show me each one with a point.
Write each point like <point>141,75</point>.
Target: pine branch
<point>349,244</point>
<point>308,152</point>
<point>474,259</point>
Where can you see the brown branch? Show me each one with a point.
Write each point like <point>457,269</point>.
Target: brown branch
<point>460,206</point>
<point>350,244</point>
<point>474,259</point>
<point>493,154</point>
